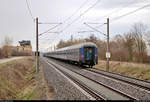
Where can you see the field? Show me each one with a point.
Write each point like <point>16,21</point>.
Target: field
<point>19,81</point>
<point>136,70</point>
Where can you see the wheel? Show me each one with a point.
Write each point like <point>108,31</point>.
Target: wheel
<point>90,66</point>
<point>80,64</point>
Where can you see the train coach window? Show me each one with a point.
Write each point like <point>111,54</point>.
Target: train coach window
<point>89,52</point>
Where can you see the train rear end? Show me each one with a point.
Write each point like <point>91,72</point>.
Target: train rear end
<point>89,56</point>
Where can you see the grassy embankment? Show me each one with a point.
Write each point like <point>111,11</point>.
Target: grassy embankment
<point>136,70</point>
<point>18,80</point>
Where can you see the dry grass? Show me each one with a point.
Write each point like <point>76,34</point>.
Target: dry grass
<point>136,70</point>
<point>17,80</point>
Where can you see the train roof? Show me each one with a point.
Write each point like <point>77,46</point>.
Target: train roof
<point>86,44</point>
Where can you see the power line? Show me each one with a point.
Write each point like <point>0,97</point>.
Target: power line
<point>72,16</point>
<point>76,11</point>
<point>116,18</point>
<point>47,23</point>
<point>95,29</point>
<point>119,9</point>
<point>81,15</point>
<point>112,13</point>
<point>29,10</point>
<point>85,31</point>
<point>94,23</point>
<point>65,20</point>
<point>74,19</point>
<point>49,29</point>
<point>119,17</point>
<point>99,26</point>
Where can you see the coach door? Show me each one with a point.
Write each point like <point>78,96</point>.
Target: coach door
<point>89,53</point>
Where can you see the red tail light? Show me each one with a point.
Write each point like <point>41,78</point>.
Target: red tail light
<point>81,56</point>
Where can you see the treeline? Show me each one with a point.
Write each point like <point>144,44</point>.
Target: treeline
<point>5,51</point>
<point>130,47</point>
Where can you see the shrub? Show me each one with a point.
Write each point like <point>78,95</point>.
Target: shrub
<point>1,53</point>
<point>6,51</point>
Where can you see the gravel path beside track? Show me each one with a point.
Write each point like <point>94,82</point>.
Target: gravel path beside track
<point>9,59</point>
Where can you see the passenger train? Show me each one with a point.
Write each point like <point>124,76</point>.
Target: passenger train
<point>82,54</point>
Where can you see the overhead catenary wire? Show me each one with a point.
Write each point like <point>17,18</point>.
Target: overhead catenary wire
<point>76,11</point>
<point>81,15</point>
<point>49,29</point>
<point>64,20</point>
<point>29,10</point>
<point>93,23</point>
<point>90,32</point>
<point>100,25</point>
<point>48,23</point>
<point>77,17</point>
<point>95,29</point>
<point>85,31</point>
<point>126,14</point>
<point>119,17</point>
<point>61,31</point>
<point>119,9</point>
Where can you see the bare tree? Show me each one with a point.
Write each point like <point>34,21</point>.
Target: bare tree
<point>147,36</point>
<point>92,38</point>
<point>129,43</point>
<point>138,31</point>
<point>6,49</point>
<point>7,41</point>
<point>71,39</point>
<point>120,49</point>
<point>1,53</point>
<point>61,44</point>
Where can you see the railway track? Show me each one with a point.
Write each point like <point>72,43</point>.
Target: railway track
<point>133,81</point>
<point>134,90</point>
<point>94,93</point>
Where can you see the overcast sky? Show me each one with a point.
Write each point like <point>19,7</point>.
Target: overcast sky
<point>16,21</point>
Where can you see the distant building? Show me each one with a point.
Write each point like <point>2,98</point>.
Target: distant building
<point>25,48</point>
<point>25,43</point>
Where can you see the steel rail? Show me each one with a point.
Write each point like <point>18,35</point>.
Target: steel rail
<point>123,80</point>
<point>123,75</point>
<point>99,71</point>
<point>94,94</point>
<point>107,86</point>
